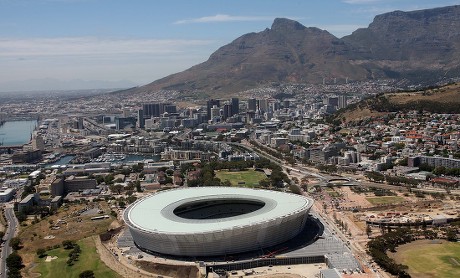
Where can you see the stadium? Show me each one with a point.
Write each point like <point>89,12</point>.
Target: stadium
<point>213,221</point>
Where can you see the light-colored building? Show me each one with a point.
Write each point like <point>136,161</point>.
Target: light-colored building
<point>6,194</point>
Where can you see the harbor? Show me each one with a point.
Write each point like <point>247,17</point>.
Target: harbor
<point>14,133</point>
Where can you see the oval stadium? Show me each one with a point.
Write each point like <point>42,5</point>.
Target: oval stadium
<point>212,221</point>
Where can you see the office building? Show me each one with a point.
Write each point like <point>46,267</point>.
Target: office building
<point>235,106</point>
<point>252,104</point>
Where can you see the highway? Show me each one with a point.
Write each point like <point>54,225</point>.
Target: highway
<point>9,234</point>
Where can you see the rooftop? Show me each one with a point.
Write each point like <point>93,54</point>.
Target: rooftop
<point>158,212</point>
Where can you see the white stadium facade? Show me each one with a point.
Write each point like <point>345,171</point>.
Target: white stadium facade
<point>213,221</point>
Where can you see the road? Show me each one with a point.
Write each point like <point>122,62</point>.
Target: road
<point>9,234</point>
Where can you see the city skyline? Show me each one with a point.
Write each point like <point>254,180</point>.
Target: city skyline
<point>115,43</point>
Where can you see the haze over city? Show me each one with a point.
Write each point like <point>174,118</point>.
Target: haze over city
<point>82,44</point>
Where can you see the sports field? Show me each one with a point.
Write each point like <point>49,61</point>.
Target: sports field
<point>427,259</point>
<point>88,260</point>
<point>248,178</point>
<point>385,200</point>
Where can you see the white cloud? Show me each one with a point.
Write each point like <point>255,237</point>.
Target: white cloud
<point>92,46</point>
<point>224,18</point>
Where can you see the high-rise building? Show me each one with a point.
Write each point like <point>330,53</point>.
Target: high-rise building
<point>252,104</point>
<point>235,106</point>
<point>151,110</point>
<point>80,124</point>
<point>157,109</point>
<point>342,103</point>
<point>227,111</point>
<point>37,142</point>
<point>263,105</point>
<point>140,118</point>
<point>215,112</point>
<point>209,105</point>
<point>333,101</point>
<point>170,108</point>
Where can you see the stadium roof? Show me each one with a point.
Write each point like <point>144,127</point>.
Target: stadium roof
<point>154,213</point>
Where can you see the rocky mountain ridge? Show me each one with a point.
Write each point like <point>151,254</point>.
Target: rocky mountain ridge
<point>420,46</point>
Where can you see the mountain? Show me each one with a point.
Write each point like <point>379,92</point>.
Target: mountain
<point>415,45</point>
<point>421,46</point>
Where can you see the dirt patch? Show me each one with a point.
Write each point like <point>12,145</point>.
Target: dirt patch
<point>185,271</point>
<point>114,225</point>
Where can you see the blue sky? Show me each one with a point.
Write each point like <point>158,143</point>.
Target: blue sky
<point>143,40</point>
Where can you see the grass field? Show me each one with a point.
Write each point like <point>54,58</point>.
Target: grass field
<point>385,200</point>
<point>250,177</point>
<point>426,259</point>
<point>88,260</point>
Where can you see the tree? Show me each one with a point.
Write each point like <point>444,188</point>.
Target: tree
<point>440,170</point>
<point>138,167</point>
<point>294,189</point>
<point>116,188</point>
<point>227,183</point>
<point>14,265</point>
<point>15,243</point>
<point>86,274</point>
<point>264,183</point>
<point>451,235</point>
<point>368,231</point>
<point>137,184</point>
<point>41,252</point>
<point>21,216</point>
<point>68,244</point>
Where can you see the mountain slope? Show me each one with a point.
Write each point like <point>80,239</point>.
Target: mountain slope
<point>410,44</point>
<point>445,99</point>
<point>422,46</point>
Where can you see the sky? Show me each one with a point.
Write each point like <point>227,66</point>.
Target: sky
<point>46,43</point>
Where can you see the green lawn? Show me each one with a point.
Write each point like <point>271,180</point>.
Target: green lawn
<point>88,260</point>
<point>250,177</point>
<point>385,200</point>
<point>426,259</point>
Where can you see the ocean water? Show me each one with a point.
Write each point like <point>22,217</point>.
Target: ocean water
<point>14,133</point>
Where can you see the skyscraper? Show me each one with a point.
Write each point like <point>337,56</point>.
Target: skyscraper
<point>140,118</point>
<point>227,111</point>
<point>342,102</point>
<point>235,106</point>
<point>263,105</point>
<point>151,110</point>
<point>157,109</point>
<point>252,104</point>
